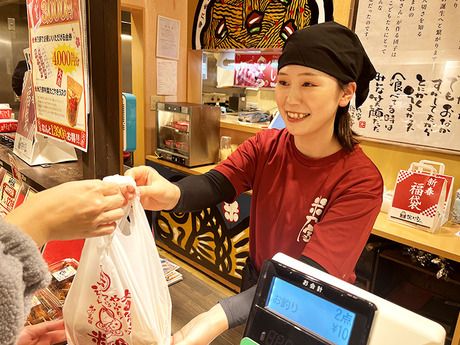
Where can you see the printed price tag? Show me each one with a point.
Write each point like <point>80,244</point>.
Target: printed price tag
<point>65,273</point>
<point>9,192</point>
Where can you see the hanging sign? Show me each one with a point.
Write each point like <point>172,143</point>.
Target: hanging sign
<point>256,70</point>
<point>57,49</point>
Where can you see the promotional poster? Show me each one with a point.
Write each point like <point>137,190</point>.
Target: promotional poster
<point>58,65</point>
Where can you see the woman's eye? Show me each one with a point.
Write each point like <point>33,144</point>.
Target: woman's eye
<point>307,84</point>
<point>282,82</point>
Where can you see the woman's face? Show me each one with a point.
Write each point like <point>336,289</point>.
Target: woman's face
<point>307,100</point>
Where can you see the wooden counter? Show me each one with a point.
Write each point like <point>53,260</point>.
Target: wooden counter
<point>191,171</point>
<point>42,177</point>
<point>232,123</point>
<point>445,243</point>
<point>239,131</point>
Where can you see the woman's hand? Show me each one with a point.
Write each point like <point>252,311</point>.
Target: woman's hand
<point>202,329</point>
<point>45,333</point>
<point>157,193</point>
<point>72,210</point>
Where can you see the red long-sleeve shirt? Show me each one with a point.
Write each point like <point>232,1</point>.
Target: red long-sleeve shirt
<point>320,208</point>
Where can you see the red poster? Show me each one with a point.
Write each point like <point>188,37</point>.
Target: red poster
<point>256,70</point>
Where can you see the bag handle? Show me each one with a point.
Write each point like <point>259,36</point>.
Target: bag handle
<point>422,168</point>
<point>123,223</point>
<point>433,163</point>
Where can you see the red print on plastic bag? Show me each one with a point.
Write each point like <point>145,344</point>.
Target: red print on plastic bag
<point>111,315</point>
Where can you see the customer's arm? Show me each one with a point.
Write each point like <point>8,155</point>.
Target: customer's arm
<point>22,272</point>
<point>78,209</point>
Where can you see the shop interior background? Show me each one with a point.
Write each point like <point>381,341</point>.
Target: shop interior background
<point>13,40</point>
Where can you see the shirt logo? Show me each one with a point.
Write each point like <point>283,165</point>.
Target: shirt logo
<point>315,211</point>
<point>231,211</point>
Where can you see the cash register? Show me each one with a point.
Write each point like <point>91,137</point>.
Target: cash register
<point>295,304</point>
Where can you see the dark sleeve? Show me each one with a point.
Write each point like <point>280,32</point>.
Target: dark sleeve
<point>237,307</point>
<point>18,77</point>
<point>201,191</point>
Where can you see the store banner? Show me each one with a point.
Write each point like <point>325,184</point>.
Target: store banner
<point>57,49</point>
<point>256,70</point>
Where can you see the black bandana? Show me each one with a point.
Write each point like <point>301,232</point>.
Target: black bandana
<point>333,49</point>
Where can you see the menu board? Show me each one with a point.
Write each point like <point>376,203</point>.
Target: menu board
<point>415,48</point>
<point>57,48</point>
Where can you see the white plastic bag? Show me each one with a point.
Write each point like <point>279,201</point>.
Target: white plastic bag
<point>119,295</point>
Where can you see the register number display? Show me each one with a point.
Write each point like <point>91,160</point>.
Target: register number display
<point>310,311</point>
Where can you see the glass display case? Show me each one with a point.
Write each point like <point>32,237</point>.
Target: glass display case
<point>188,134</point>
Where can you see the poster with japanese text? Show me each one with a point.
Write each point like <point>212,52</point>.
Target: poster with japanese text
<point>58,68</point>
<point>415,48</point>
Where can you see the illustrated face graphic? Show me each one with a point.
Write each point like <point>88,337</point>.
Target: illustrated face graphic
<point>225,24</point>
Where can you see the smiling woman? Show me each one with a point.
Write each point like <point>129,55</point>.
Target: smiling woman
<point>308,101</point>
<point>315,194</point>
<point>340,59</point>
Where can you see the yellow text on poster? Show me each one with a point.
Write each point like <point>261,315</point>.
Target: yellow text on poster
<point>66,58</point>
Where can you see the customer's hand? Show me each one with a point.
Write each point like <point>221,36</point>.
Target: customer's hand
<point>72,210</point>
<point>156,192</point>
<point>45,333</point>
<point>202,329</point>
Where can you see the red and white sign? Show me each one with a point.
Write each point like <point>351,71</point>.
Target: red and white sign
<point>8,125</point>
<point>10,193</point>
<point>5,112</point>
<point>59,73</point>
<point>419,199</point>
<point>256,70</point>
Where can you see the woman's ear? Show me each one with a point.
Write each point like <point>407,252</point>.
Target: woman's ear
<point>348,92</point>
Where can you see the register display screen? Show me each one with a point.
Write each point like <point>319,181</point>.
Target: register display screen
<point>310,311</point>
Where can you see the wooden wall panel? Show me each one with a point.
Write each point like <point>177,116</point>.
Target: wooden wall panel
<point>104,124</point>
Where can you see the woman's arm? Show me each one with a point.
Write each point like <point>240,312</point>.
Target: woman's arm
<point>202,329</point>
<point>191,193</point>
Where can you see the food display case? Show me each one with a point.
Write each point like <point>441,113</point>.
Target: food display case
<point>188,134</point>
